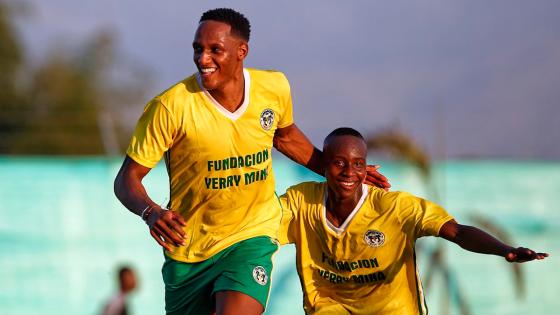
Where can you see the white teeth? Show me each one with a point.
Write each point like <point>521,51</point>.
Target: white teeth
<point>347,184</point>
<point>207,70</point>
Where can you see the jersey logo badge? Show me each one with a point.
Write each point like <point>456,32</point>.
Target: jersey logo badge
<point>260,276</point>
<point>374,238</point>
<point>267,119</point>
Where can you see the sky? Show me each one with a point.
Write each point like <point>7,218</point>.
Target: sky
<point>465,79</point>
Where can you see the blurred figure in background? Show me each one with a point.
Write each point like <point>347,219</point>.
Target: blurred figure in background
<point>117,304</point>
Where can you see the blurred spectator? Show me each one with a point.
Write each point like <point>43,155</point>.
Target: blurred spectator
<point>117,304</point>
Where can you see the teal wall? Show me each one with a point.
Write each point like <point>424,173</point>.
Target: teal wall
<point>62,234</point>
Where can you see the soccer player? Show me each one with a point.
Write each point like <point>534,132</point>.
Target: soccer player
<point>216,130</point>
<point>355,243</point>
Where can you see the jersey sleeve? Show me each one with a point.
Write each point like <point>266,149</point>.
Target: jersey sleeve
<point>420,216</point>
<point>287,233</point>
<point>153,135</point>
<point>286,117</point>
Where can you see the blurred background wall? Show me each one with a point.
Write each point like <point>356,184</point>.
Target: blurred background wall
<point>459,102</point>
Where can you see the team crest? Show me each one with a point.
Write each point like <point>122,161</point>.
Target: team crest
<point>260,276</point>
<point>374,238</point>
<point>267,119</point>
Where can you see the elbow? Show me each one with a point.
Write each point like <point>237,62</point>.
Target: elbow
<point>117,183</point>
<point>451,231</point>
<point>461,236</point>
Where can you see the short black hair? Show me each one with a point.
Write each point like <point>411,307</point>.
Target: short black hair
<point>240,26</point>
<point>343,131</point>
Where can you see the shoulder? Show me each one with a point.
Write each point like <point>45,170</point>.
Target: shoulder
<point>389,200</point>
<point>269,79</point>
<point>306,188</point>
<point>306,192</point>
<point>176,95</point>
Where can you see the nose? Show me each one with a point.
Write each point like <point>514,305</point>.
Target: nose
<point>348,170</point>
<point>203,58</point>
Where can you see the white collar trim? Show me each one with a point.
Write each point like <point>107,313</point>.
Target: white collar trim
<point>235,115</point>
<point>342,228</point>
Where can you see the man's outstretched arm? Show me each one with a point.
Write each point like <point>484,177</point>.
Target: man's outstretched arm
<point>478,241</point>
<point>165,226</point>
<point>294,144</point>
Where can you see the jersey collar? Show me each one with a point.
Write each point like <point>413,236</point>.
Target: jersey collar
<point>342,228</point>
<point>235,115</point>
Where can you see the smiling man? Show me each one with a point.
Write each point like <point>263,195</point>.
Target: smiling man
<point>355,243</point>
<point>216,130</point>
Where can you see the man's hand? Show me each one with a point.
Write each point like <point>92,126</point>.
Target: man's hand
<point>166,227</point>
<point>374,178</point>
<point>522,254</point>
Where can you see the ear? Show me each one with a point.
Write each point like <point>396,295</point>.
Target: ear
<point>242,50</point>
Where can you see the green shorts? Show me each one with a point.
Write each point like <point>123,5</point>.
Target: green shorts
<point>244,267</point>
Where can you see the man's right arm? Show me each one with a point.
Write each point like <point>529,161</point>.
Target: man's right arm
<point>165,226</point>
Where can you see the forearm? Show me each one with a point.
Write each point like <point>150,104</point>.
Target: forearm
<point>478,241</point>
<point>310,158</point>
<point>129,189</point>
<point>132,196</point>
<point>291,142</point>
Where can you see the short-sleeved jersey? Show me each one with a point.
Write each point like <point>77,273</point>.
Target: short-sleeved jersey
<point>219,163</point>
<point>367,265</point>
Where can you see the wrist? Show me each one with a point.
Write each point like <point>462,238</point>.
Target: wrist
<point>149,211</point>
<point>154,215</point>
<point>508,250</point>
<point>146,212</point>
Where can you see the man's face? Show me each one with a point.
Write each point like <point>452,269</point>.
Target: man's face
<point>217,54</point>
<point>345,165</point>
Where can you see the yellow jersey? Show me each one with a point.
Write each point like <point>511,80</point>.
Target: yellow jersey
<point>367,265</point>
<point>219,162</point>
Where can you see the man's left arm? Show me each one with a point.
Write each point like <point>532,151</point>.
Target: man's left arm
<point>291,142</point>
<point>478,241</point>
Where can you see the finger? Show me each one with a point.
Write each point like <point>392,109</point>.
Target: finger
<point>179,218</point>
<point>375,176</point>
<point>373,167</point>
<point>159,240</point>
<point>178,229</point>
<point>164,227</point>
<point>379,177</point>
<point>162,235</point>
<point>542,255</point>
<point>375,181</point>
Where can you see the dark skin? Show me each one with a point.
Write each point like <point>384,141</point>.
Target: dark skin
<point>345,157</point>
<point>345,171</point>
<point>218,55</point>
<point>127,281</point>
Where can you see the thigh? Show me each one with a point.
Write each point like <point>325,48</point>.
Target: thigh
<point>188,287</point>
<point>237,303</point>
<point>246,269</point>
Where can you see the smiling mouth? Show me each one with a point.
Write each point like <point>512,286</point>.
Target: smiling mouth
<point>207,71</point>
<point>346,184</point>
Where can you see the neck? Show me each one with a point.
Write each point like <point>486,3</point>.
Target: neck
<point>338,208</point>
<point>232,94</point>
